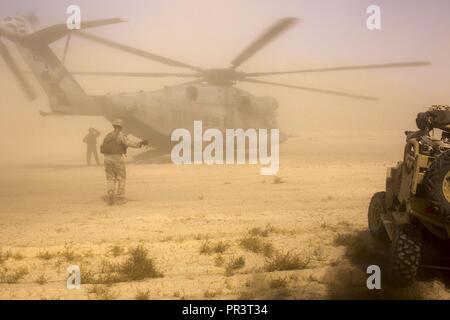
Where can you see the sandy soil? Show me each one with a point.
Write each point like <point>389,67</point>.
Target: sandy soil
<point>53,216</point>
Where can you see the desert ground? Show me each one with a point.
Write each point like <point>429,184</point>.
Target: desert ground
<point>204,232</point>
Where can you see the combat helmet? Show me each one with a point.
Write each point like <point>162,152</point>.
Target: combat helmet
<point>118,123</point>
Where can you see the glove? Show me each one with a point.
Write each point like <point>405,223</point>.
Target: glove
<point>143,143</point>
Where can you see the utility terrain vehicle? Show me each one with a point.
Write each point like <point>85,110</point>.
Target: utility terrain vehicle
<point>417,197</point>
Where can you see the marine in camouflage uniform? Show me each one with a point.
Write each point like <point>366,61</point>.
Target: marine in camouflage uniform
<point>91,145</point>
<point>114,148</point>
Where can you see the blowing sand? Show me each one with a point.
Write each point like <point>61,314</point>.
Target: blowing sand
<point>214,232</point>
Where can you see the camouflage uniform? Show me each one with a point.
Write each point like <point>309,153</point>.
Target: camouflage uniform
<point>91,145</point>
<point>115,169</point>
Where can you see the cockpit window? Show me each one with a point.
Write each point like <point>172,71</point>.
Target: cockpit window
<point>191,93</point>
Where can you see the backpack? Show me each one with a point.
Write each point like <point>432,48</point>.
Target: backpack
<point>110,145</point>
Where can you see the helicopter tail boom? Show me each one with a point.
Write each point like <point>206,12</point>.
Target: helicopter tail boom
<point>65,94</point>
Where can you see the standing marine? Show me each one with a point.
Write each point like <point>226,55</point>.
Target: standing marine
<point>91,145</point>
<point>114,148</point>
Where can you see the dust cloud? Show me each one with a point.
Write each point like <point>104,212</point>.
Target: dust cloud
<point>183,31</point>
<point>52,211</point>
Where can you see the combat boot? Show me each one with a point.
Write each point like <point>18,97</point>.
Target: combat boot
<point>111,199</point>
<point>121,201</point>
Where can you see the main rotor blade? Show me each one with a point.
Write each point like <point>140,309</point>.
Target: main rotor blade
<point>135,51</point>
<point>55,32</point>
<point>191,82</point>
<point>136,74</point>
<point>367,66</point>
<point>4,53</point>
<point>336,93</point>
<point>275,30</point>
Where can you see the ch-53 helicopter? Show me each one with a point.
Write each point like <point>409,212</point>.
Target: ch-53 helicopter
<point>210,96</point>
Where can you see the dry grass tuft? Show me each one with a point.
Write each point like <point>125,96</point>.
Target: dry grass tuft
<point>142,295</point>
<point>219,261</point>
<point>211,248</point>
<point>116,251</point>
<point>233,265</point>
<point>209,294</point>
<point>45,255</point>
<point>262,232</point>
<point>257,245</point>
<point>10,277</point>
<point>41,280</point>
<point>278,283</point>
<point>10,255</point>
<point>137,266</point>
<point>287,261</point>
<point>100,292</point>
<point>68,253</point>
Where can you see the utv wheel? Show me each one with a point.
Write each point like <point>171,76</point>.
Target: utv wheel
<point>406,250</point>
<point>376,208</point>
<point>437,185</point>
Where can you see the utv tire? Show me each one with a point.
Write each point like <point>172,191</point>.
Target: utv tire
<point>376,208</point>
<point>437,185</point>
<point>405,256</point>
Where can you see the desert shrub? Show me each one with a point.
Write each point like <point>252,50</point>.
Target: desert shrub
<point>137,266</point>
<point>2,257</point>
<point>142,295</point>
<point>201,236</point>
<point>234,264</point>
<point>210,294</point>
<point>10,255</point>
<point>68,253</point>
<point>10,276</point>
<point>257,245</point>
<point>45,255</point>
<point>100,292</point>
<point>219,261</point>
<point>278,283</point>
<point>210,248</point>
<point>116,251</point>
<point>17,255</point>
<point>287,261</point>
<point>262,232</point>
<point>41,280</point>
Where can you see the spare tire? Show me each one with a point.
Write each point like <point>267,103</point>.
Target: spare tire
<point>437,184</point>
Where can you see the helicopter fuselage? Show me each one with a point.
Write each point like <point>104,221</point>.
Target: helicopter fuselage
<point>155,115</point>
